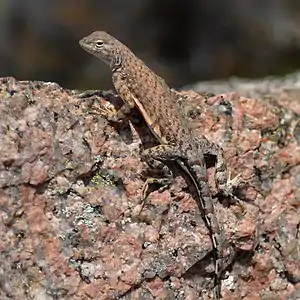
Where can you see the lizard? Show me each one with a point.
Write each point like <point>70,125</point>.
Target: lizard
<point>139,87</point>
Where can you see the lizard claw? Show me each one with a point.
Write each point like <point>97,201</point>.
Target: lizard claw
<point>164,182</point>
<point>90,93</point>
<point>108,114</point>
<point>234,182</point>
<point>227,188</point>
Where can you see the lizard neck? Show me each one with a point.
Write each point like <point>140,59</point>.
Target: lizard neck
<point>121,59</point>
<point>116,63</point>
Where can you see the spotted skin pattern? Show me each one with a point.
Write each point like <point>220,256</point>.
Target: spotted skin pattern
<point>161,108</point>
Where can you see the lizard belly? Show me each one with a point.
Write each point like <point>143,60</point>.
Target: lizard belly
<point>154,127</point>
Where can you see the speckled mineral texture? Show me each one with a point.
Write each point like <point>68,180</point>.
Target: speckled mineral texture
<point>72,223</point>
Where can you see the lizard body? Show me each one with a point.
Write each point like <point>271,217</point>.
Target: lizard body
<point>139,87</point>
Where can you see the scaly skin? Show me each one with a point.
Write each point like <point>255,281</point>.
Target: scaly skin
<point>139,87</point>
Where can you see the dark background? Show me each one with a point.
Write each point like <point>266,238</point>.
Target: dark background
<point>182,40</point>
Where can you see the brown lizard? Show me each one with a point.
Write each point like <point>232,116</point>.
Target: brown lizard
<point>161,108</point>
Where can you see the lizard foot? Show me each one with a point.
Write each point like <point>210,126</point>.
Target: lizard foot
<point>146,189</point>
<point>227,189</point>
<point>109,114</point>
<point>90,93</point>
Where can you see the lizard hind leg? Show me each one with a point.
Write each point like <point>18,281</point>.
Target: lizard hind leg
<point>156,158</point>
<point>224,183</point>
<point>163,182</point>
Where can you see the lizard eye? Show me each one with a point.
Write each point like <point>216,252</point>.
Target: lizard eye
<point>99,43</point>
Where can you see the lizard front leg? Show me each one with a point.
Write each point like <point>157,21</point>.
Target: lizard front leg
<point>110,115</point>
<point>122,113</point>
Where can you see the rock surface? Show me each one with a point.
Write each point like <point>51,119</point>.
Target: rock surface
<point>71,226</point>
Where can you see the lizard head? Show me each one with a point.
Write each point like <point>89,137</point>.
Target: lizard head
<point>103,46</point>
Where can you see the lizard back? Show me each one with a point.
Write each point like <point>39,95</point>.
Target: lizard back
<point>138,86</point>
<point>133,79</point>
<point>156,101</point>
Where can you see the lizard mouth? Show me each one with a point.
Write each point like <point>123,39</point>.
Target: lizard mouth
<point>90,48</point>
<point>87,47</point>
